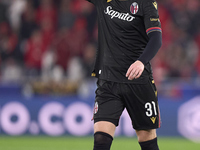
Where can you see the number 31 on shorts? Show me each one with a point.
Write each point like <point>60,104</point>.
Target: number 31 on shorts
<point>151,108</point>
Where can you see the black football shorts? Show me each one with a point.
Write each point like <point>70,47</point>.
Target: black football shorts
<point>140,100</point>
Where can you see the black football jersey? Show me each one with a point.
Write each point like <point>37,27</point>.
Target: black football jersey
<point>123,28</point>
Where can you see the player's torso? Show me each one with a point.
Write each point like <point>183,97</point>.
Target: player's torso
<point>121,24</point>
<point>122,36</point>
<point>123,15</point>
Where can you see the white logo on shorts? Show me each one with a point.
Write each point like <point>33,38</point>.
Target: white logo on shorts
<point>96,107</point>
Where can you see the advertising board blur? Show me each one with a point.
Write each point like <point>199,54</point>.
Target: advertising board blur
<point>54,118</point>
<point>71,115</point>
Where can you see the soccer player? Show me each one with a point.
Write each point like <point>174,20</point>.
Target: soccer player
<point>129,37</point>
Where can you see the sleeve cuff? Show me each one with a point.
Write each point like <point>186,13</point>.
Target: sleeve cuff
<point>149,30</point>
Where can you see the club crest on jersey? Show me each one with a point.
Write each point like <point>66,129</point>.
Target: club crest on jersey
<point>134,8</point>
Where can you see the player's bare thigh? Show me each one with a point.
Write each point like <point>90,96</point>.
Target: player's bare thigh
<point>105,126</point>
<point>146,135</point>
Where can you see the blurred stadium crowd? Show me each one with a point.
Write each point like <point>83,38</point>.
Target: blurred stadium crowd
<point>57,39</point>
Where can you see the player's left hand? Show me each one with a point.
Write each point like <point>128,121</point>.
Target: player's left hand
<point>135,70</point>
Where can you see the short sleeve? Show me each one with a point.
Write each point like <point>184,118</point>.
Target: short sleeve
<point>151,16</point>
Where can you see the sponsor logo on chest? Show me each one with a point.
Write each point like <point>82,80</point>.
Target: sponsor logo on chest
<point>115,14</point>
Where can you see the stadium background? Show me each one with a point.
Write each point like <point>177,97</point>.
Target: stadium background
<point>47,50</point>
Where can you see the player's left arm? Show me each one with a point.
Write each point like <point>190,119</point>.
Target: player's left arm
<point>154,32</point>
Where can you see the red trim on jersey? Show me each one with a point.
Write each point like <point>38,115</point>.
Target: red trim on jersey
<point>159,118</point>
<point>153,29</point>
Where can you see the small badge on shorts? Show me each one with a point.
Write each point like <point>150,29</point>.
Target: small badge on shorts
<point>134,8</point>
<point>96,107</point>
<point>153,119</point>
